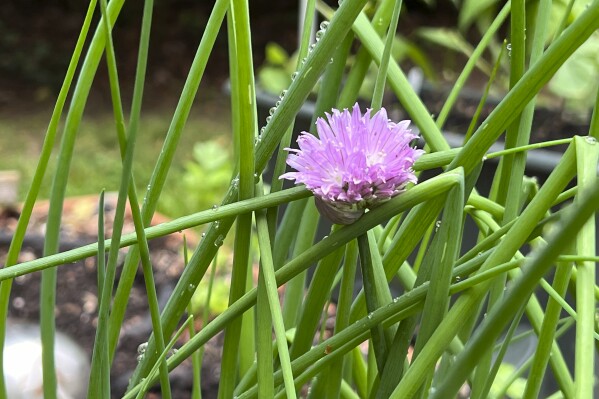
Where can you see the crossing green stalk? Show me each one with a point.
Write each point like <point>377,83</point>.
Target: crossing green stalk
<point>493,324</point>
<point>381,77</point>
<point>238,348</point>
<point>290,105</point>
<point>467,303</point>
<point>267,273</point>
<point>27,208</point>
<point>165,158</point>
<point>587,157</point>
<point>409,199</point>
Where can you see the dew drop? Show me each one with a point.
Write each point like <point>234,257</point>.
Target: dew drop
<point>272,110</point>
<point>141,349</point>
<point>203,235</point>
<point>268,119</point>
<point>369,315</point>
<point>319,34</point>
<point>312,46</point>
<point>458,279</point>
<point>215,207</point>
<point>283,93</point>
<point>278,103</point>
<point>219,241</point>
<point>396,299</point>
<point>294,75</point>
<point>591,140</point>
<point>324,25</point>
<point>191,287</point>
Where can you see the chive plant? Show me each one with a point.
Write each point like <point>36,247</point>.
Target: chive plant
<point>447,332</point>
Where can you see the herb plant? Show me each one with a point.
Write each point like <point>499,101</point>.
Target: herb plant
<point>456,315</point>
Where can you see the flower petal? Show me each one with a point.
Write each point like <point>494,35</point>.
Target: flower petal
<point>357,162</point>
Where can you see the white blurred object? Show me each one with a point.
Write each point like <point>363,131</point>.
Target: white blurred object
<point>23,364</point>
<point>416,79</point>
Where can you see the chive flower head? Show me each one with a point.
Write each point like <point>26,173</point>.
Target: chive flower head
<point>357,163</point>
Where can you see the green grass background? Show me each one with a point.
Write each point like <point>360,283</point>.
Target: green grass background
<point>96,161</point>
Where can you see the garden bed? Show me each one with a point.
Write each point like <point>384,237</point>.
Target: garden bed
<point>77,301</point>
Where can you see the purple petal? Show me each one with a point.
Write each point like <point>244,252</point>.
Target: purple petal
<point>357,162</point>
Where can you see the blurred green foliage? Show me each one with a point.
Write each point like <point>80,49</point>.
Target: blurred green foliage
<point>504,375</point>
<point>577,81</point>
<point>275,74</point>
<point>203,181</point>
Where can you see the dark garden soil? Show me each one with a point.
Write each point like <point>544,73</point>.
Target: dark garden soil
<point>76,307</point>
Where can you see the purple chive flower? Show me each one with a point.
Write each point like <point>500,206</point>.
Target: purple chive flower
<point>359,162</point>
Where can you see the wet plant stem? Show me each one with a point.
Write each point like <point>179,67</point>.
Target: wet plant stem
<point>372,303</point>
